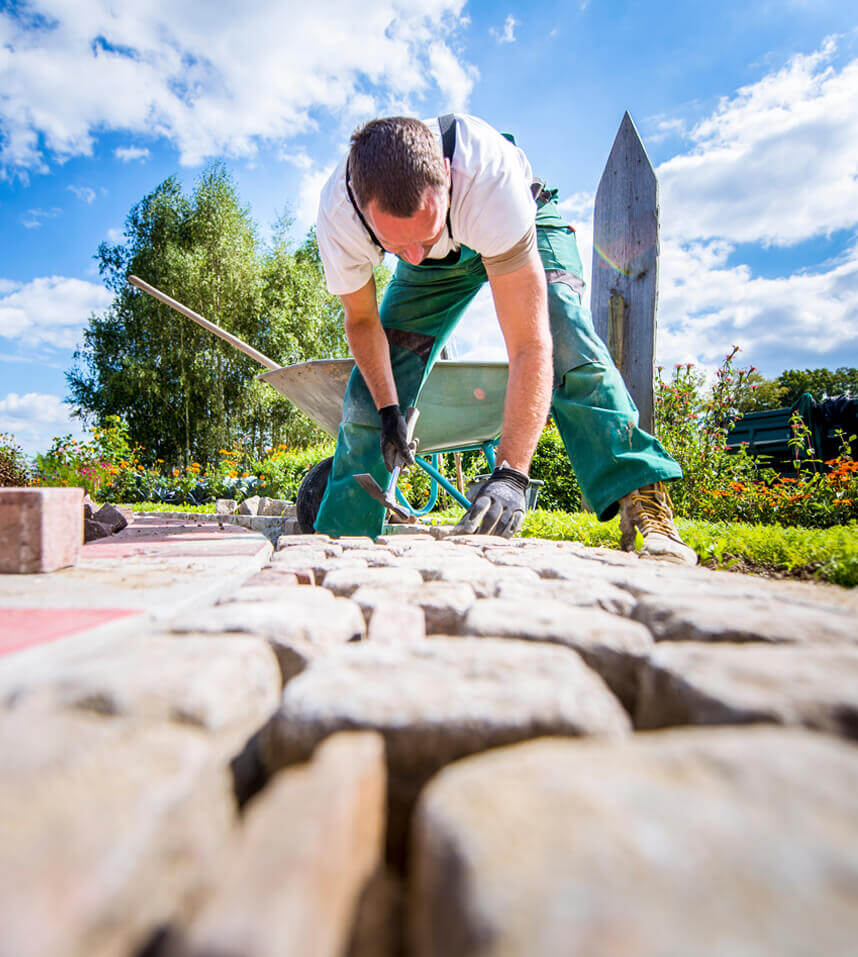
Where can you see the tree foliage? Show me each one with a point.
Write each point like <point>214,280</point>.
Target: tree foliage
<point>820,383</point>
<point>184,393</point>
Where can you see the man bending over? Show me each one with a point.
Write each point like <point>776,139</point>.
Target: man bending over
<point>457,203</point>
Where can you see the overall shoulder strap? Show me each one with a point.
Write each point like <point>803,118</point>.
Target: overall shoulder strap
<point>356,208</point>
<point>447,123</point>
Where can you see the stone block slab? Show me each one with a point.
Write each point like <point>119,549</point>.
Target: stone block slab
<point>309,843</point>
<point>41,529</point>
<point>108,830</point>
<point>227,686</point>
<point>689,683</point>
<point>304,623</point>
<point>437,701</point>
<point>705,842</point>
<point>346,581</point>
<point>614,647</point>
<point>711,618</point>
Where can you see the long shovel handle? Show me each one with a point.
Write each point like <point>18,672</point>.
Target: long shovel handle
<point>262,359</point>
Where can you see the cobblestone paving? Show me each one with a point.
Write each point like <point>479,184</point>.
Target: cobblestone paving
<point>440,746</point>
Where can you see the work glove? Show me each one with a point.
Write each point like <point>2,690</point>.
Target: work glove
<point>395,449</point>
<point>499,505</point>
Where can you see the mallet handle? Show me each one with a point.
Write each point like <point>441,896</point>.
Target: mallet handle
<point>263,360</point>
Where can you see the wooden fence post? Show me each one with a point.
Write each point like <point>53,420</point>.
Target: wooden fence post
<point>625,264</point>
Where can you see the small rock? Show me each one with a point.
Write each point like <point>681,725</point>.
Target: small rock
<point>225,506</point>
<point>110,516</point>
<point>93,530</point>
<point>273,506</point>
<point>250,506</point>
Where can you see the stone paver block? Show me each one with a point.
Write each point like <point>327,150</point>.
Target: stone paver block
<point>346,581</point>
<point>226,686</point>
<point>303,624</point>
<point>400,542</point>
<point>444,604</point>
<point>587,592</point>
<point>437,701</point>
<point>41,529</point>
<point>705,842</point>
<point>354,541</point>
<point>278,507</point>
<point>394,622</point>
<point>613,646</point>
<point>108,830</point>
<point>286,541</point>
<point>689,683</point>
<point>487,578</point>
<point>309,843</point>
<point>713,619</point>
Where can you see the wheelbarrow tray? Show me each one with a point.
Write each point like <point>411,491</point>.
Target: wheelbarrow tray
<point>461,403</point>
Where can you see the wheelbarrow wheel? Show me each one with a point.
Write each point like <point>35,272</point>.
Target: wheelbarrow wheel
<point>310,494</point>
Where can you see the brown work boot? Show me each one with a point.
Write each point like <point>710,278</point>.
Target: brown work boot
<point>651,510</point>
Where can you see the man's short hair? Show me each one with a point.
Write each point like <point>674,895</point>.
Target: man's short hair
<point>392,161</point>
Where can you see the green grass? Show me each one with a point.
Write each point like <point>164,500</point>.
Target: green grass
<point>828,554</point>
<point>207,509</point>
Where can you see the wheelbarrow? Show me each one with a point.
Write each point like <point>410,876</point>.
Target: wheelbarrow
<point>460,404</point>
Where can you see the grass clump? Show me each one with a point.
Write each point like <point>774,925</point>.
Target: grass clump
<point>826,554</point>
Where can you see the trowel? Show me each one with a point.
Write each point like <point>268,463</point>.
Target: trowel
<point>387,496</point>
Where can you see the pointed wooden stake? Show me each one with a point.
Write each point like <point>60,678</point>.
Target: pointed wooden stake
<point>625,264</point>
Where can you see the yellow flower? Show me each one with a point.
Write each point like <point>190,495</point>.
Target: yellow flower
<point>245,474</point>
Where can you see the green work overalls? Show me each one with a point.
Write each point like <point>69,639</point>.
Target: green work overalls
<point>591,406</point>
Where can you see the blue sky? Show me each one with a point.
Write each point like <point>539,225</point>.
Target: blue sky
<point>749,113</point>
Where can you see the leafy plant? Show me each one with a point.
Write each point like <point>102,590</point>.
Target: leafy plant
<point>14,470</point>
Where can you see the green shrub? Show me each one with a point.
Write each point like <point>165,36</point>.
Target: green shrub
<point>14,470</point>
<point>551,465</point>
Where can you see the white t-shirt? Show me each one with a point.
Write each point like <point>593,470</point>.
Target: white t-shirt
<point>492,207</point>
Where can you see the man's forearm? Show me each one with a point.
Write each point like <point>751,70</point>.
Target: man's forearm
<point>371,351</point>
<point>522,306</point>
<point>528,397</point>
<point>368,344</point>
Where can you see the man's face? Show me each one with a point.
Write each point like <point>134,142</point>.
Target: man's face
<point>410,238</point>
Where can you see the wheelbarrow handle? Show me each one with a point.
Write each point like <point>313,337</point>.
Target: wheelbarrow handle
<point>262,359</point>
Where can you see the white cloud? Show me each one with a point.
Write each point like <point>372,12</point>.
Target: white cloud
<point>35,218</point>
<point>507,35</point>
<point>300,158</point>
<point>776,163</point>
<point>84,193</point>
<point>309,191</point>
<point>211,79</point>
<point>36,418</point>
<point>130,153</point>
<point>455,80</point>
<point>50,310</point>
